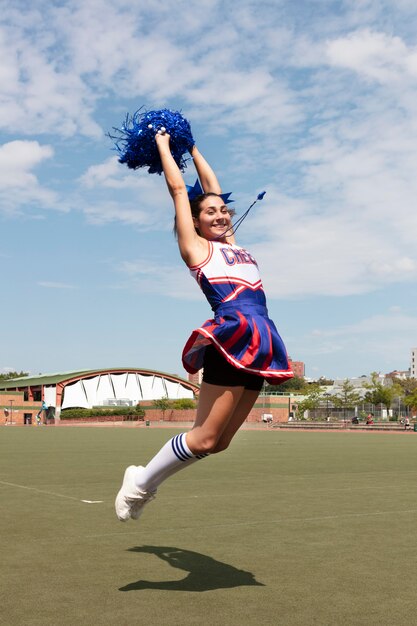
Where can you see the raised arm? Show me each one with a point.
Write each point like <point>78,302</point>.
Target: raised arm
<point>193,249</point>
<point>208,178</point>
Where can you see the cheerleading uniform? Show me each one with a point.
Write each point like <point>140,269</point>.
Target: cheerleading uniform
<point>241,329</point>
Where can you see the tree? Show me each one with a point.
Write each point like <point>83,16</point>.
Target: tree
<point>407,391</point>
<point>163,404</point>
<point>183,403</point>
<point>328,382</point>
<point>347,397</point>
<point>411,400</point>
<point>309,403</point>
<point>139,412</point>
<point>408,385</point>
<point>11,375</point>
<point>382,394</point>
<point>293,384</point>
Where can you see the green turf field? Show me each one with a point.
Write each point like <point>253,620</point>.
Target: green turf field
<point>286,528</point>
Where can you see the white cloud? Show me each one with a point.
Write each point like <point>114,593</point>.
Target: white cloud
<point>110,211</point>
<point>352,229</point>
<point>146,202</point>
<point>19,186</point>
<point>376,55</point>
<point>153,277</point>
<point>112,175</point>
<point>54,285</point>
<point>308,250</point>
<point>68,57</point>
<point>42,93</point>
<point>17,158</point>
<point>106,174</point>
<point>347,225</point>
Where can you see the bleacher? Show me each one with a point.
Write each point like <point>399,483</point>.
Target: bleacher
<point>341,425</point>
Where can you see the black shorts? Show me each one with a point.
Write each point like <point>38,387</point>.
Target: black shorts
<point>218,371</point>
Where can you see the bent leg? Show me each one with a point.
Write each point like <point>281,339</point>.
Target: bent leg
<point>221,410</point>
<point>216,406</point>
<point>242,410</point>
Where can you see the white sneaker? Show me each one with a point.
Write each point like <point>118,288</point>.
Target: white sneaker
<point>130,499</point>
<point>137,507</point>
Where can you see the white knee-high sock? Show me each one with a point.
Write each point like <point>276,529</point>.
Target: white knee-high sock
<point>174,456</point>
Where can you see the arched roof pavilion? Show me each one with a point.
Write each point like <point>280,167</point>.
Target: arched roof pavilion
<point>101,387</point>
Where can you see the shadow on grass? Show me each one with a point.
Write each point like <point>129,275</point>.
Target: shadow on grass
<point>205,573</point>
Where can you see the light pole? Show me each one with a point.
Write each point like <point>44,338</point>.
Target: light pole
<point>327,396</point>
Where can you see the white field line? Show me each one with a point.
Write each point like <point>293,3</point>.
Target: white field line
<point>267,522</point>
<point>283,520</point>
<point>48,493</point>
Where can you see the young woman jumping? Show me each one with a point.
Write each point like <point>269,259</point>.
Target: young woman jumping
<point>238,349</point>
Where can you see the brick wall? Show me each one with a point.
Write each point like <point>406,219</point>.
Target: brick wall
<point>13,408</point>
<point>278,406</point>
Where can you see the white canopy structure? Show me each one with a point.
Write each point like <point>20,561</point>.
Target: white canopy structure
<point>125,389</point>
<point>109,387</point>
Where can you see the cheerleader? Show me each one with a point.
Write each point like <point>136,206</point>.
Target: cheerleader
<point>238,348</point>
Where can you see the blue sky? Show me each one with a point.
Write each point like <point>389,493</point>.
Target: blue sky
<point>315,102</point>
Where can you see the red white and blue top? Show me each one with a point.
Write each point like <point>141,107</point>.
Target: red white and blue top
<point>241,329</point>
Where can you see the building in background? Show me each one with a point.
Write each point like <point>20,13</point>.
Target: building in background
<point>298,367</point>
<point>15,409</point>
<point>400,374</point>
<point>23,399</point>
<point>413,364</point>
<point>197,378</point>
<point>89,389</point>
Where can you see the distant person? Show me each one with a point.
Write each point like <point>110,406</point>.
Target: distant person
<point>370,419</point>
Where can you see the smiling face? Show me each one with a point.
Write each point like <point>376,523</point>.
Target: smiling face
<point>214,218</point>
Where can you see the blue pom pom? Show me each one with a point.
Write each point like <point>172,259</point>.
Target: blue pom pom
<point>135,140</point>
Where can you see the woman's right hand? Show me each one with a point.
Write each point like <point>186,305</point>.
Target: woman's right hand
<point>162,140</point>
